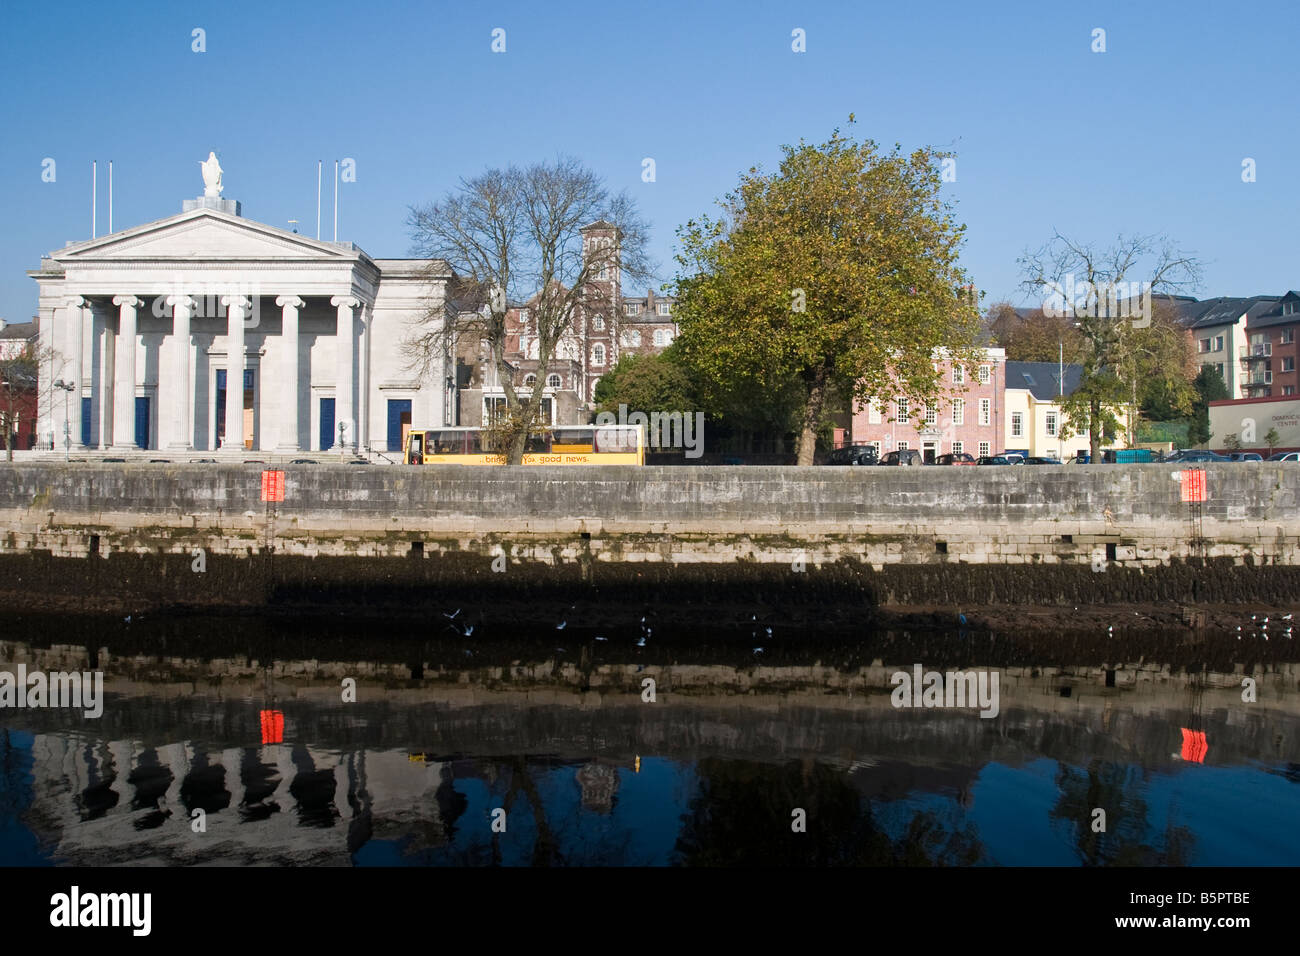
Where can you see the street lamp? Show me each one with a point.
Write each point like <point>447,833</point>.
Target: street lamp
<point>66,387</point>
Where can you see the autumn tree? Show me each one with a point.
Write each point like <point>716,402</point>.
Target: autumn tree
<point>647,383</point>
<point>1033,336</point>
<point>516,235</point>
<point>837,272</point>
<point>1110,292</point>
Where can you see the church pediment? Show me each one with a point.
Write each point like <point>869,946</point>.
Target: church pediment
<point>204,234</point>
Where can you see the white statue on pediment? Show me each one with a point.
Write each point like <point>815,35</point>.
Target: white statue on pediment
<point>211,176</point>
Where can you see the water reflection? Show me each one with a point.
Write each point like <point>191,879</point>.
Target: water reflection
<point>720,770</point>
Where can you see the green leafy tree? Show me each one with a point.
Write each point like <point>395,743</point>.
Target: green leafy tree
<point>1231,441</point>
<point>1209,387</point>
<point>647,383</point>
<point>838,273</point>
<point>1272,439</point>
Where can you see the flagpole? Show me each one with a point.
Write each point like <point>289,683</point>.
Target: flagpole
<point>318,165</point>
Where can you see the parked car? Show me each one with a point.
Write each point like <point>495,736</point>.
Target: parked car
<point>1192,455</point>
<point>1285,456</point>
<point>1038,460</point>
<point>993,460</point>
<point>1012,457</point>
<point>853,455</point>
<point>1246,456</point>
<point>908,456</point>
<point>956,458</point>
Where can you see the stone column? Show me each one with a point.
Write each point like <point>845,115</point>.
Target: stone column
<point>288,427</point>
<point>124,379</point>
<point>344,382</point>
<point>237,307</point>
<point>77,321</point>
<point>182,416</point>
<point>362,443</point>
<point>107,381</point>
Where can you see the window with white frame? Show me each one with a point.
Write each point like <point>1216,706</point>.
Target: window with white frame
<point>958,447</point>
<point>660,336</point>
<point>665,308</point>
<point>631,339</point>
<point>958,375</point>
<point>1287,336</point>
<point>598,323</point>
<point>876,446</point>
<point>931,413</point>
<point>986,373</point>
<point>1204,345</point>
<point>604,273</point>
<point>874,414</point>
<point>984,449</point>
<point>1049,422</point>
<point>552,381</point>
<point>900,413</point>
<point>959,411</point>
<point>986,414</point>
<point>598,354</point>
<point>902,446</point>
<point>632,308</point>
<point>530,380</point>
<point>1218,343</point>
<point>523,316</point>
<point>1017,425</point>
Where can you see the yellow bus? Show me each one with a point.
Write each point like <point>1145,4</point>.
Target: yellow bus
<point>557,445</point>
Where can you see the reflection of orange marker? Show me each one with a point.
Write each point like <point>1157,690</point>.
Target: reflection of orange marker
<point>1195,745</point>
<point>638,764</point>
<point>272,726</point>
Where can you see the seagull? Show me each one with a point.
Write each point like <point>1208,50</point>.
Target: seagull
<point>769,632</point>
<point>1286,617</point>
<point>452,615</point>
<point>758,650</point>
<point>599,638</point>
<point>469,630</point>
<point>641,643</point>
<point>561,625</point>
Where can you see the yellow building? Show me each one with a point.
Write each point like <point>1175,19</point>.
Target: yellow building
<point>1034,419</point>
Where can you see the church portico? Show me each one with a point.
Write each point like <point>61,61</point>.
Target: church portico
<point>207,332</point>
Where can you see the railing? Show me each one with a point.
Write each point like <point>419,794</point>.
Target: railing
<point>1258,381</point>
<point>1257,350</point>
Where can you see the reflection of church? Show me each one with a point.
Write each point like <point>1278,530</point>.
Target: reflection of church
<point>206,330</point>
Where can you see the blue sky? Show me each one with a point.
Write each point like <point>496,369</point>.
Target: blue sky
<point>1147,137</point>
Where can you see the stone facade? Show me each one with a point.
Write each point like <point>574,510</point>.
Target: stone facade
<point>150,324</point>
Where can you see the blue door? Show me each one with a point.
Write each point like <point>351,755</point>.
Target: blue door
<point>399,414</point>
<point>326,424</point>
<point>142,422</point>
<point>85,421</point>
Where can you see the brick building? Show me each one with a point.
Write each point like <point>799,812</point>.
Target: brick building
<point>967,417</point>
<point>1250,341</point>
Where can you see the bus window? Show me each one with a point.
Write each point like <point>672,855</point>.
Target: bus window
<point>416,449</point>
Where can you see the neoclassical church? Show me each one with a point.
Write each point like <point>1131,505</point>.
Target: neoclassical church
<point>207,332</point>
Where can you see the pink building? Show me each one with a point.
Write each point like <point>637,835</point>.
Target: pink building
<point>966,417</point>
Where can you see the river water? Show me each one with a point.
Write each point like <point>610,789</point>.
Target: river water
<point>422,742</point>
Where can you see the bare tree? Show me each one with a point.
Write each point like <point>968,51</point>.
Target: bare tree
<point>1107,293</point>
<point>521,236</point>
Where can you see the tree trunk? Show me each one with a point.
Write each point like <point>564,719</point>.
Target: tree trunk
<point>1094,432</point>
<point>812,417</point>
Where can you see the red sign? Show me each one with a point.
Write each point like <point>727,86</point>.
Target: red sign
<point>1193,485</point>
<point>1195,746</point>
<point>272,726</point>
<point>273,486</point>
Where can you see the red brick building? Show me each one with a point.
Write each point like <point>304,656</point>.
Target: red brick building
<point>18,387</point>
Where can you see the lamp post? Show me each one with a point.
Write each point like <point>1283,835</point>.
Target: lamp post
<point>65,387</point>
